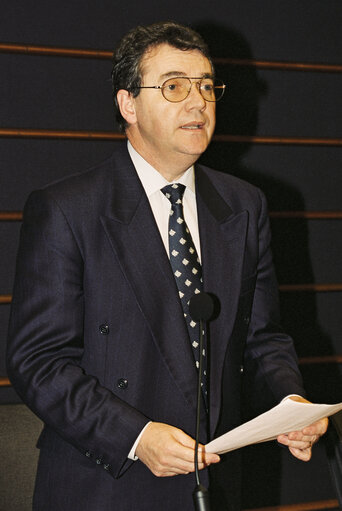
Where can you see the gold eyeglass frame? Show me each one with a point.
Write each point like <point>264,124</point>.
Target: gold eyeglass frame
<point>218,84</point>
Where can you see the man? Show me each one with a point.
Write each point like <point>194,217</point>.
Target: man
<point>101,344</point>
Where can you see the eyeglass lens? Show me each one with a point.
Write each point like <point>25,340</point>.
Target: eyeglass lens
<point>178,88</point>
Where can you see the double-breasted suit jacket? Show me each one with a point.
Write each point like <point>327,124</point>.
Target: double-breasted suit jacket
<point>98,345</point>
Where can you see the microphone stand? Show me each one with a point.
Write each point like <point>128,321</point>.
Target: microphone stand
<point>200,494</point>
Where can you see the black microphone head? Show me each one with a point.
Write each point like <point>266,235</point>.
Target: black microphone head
<point>201,307</point>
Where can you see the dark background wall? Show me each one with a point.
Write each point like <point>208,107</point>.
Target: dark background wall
<point>63,93</point>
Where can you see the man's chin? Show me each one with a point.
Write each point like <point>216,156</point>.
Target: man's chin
<point>195,149</point>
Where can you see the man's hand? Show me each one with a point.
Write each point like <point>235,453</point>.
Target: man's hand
<point>300,442</point>
<point>168,451</point>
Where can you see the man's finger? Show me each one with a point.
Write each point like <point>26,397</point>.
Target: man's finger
<point>318,428</point>
<point>301,454</point>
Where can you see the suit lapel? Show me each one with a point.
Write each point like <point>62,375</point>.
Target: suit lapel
<point>222,235</point>
<point>135,239</point>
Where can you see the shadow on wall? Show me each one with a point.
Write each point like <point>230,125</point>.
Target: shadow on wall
<point>237,114</point>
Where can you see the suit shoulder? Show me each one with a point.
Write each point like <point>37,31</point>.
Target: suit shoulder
<point>81,181</point>
<point>87,188</point>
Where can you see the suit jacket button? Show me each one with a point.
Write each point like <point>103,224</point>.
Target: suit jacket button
<point>98,461</point>
<point>246,319</point>
<point>88,454</point>
<point>122,383</point>
<point>104,329</point>
<point>106,466</point>
<point>241,369</point>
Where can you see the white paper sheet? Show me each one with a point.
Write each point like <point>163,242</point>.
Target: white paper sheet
<point>288,416</point>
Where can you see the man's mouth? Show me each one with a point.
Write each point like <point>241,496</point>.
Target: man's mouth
<point>193,126</point>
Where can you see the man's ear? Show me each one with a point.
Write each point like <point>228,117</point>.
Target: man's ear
<point>126,105</point>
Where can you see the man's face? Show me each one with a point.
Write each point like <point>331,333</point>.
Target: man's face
<point>171,136</point>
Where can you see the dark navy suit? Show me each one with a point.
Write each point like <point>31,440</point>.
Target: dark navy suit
<point>98,344</point>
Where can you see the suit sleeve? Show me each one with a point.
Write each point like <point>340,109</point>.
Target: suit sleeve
<point>270,358</point>
<point>45,344</point>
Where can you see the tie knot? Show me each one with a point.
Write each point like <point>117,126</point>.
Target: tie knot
<point>174,192</point>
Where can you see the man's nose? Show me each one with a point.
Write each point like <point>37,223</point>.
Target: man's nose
<point>195,98</point>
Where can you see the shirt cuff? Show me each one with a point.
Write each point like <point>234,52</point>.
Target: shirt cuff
<point>131,454</point>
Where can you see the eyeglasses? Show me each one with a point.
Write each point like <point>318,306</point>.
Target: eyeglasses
<point>177,89</point>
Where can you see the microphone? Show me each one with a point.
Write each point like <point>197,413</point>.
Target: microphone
<point>201,308</point>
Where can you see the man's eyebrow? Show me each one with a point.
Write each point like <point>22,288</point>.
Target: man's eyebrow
<point>171,74</point>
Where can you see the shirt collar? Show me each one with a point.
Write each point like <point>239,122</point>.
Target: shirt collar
<point>151,179</point>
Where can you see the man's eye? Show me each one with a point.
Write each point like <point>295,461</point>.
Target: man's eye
<point>172,86</point>
<point>208,87</point>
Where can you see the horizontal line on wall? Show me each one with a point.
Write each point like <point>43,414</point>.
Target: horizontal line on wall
<point>108,54</point>
<point>275,140</point>
<point>281,65</point>
<point>66,134</point>
<point>5,299</point>
<point>11,216</point>
<point>6,216</point>
<point>112,135</point>
<point>303,506</point>
<point>326,359</point>
<point>55,51</point>
<point>312,215</point>
<point>316,288</point>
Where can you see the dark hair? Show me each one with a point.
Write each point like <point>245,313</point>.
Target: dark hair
<point>126,73</point>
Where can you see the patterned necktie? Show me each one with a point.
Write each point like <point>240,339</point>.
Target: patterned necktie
<point>186,269</point>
